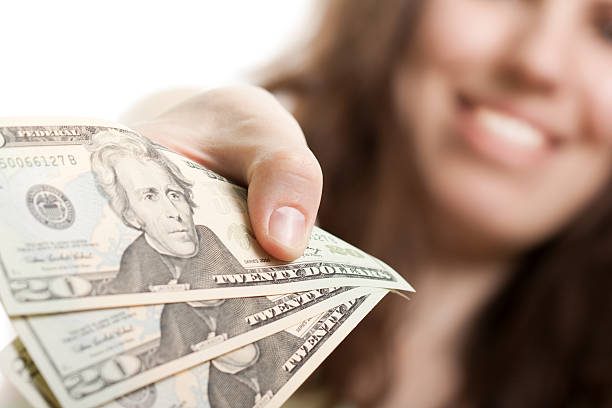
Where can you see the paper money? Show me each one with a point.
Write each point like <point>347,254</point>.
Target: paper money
<point>94,356</point>
<point>93,216</point>
<point>20,370</point>
<point>283,362</point>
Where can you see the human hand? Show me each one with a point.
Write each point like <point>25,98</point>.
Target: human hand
<point>244,134</point>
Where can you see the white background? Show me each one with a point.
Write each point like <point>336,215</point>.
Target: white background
<point>99,59</point>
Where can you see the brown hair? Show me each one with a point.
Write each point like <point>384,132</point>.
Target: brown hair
<point>546,337</point>
<point>342,98</point>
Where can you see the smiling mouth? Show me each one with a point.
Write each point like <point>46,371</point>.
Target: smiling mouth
<point>500,136</point>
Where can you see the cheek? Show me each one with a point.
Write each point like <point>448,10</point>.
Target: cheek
<point>134,209</point>
<point>147,212</point>
<point>464,33</point>
<point>183,207</point>
<point>596,92</point>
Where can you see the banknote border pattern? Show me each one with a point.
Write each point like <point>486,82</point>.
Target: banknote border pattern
<point>257,276</point>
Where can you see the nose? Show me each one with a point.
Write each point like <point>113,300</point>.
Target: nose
<point>540,56</point>
<point>170,210</point>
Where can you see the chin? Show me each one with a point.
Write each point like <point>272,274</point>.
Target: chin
<point>484,207</point>
<point>184,251</point>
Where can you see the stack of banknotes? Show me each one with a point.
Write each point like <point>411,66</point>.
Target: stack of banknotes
<point>133,279</point>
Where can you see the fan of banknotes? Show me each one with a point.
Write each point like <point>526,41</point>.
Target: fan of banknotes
<point>133,279</point>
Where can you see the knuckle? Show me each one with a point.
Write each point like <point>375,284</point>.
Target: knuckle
<point>297,163</point>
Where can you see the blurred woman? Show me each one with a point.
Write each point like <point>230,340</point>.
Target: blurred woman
<point>468,144</point>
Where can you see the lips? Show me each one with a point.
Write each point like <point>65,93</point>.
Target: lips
<point>180,234</point>
<point>509,129</point>
<point>499,135</point>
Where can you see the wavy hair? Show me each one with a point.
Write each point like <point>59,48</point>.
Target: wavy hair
<point>108,147</point>
<point>545,339</point>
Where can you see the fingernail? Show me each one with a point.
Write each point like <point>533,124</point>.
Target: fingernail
<point>288,226</point>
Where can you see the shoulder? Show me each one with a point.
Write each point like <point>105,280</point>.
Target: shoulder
<point>138,248</point>
<point>206,235</point>
<point>203,230</point>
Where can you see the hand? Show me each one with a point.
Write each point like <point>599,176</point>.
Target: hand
<point>244,134</point>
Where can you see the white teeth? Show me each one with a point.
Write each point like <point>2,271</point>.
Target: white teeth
<point>509,128</point>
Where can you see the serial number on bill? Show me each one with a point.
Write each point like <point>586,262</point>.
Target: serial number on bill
<point>58,160</point>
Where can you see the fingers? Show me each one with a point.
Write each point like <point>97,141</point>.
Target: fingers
<point>244,134</point>
<point>284,196</point>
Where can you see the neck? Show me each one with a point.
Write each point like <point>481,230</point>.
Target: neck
<point>158,248</point>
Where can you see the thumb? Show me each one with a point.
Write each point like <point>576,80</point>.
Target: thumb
<point>284,195</point>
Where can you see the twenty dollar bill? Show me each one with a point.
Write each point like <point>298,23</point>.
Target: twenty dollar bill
<point>90,357</point>
<point>93,215</point>
<point>286,360</point>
